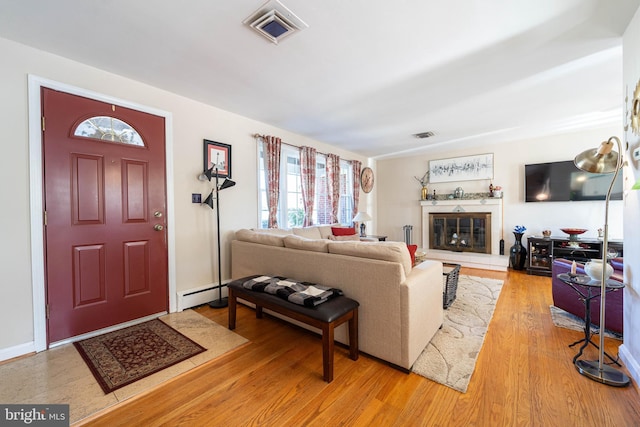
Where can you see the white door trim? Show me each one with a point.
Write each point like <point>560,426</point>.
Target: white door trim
<point>36,196</point>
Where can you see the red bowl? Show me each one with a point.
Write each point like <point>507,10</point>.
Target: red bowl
<point>573,230</point>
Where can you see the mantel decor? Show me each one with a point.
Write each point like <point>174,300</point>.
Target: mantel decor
<point>217,158</point>
<point>461,168</point>
<point>424,182</point>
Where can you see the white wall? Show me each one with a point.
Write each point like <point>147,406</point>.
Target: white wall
<point>194,224</point>
<point>630,350</point>
<point>399,192</point>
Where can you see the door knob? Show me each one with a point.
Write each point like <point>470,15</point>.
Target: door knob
<point>158,227</point>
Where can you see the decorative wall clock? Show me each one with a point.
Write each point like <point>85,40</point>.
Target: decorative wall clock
<point>366,179</point>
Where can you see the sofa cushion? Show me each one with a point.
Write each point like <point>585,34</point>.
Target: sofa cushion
<point>278,231</point>
<point>385,251</point>
<point>262,238</point>
<point>308,232</point>
<point>302,243</point>
<point>343,231</point>
<point>351,237</point>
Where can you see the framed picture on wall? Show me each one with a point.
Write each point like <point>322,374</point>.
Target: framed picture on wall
<point>465,168</point>
<point>217,156</point>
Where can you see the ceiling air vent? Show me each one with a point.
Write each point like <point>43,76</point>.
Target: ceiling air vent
<point>423,134</point>
<point>274,21</point>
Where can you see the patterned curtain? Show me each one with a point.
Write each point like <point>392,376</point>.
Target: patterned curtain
<point>333,184</point>
<point>308,178</point>
<point>271,146</point>
<point>356,166</point>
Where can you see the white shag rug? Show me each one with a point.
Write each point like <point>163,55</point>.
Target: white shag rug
<point>450,357</point>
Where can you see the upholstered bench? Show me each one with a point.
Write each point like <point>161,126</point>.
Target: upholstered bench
<point>326,316</point>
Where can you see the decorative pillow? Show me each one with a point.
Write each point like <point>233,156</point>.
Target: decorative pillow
<point>412,253</point>
<point>353,237</point>
<point>325,230</point>
<point>343,231</point>
<point>308,232</point>
<point>302,243</point>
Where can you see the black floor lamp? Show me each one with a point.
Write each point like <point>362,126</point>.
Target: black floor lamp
<point>220,302</point>
<point>602,160</point>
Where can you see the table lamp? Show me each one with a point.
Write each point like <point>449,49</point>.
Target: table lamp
<point>361,217</point>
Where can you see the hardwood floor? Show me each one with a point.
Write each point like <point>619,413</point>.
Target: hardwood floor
<point>524,377</point>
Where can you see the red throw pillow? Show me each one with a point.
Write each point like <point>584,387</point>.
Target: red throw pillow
<point>412,252</point>
<point>343,231</point>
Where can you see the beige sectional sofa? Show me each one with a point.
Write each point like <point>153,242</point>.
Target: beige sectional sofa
<point>400,305</point>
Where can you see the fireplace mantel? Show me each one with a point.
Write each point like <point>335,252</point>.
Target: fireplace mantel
<point>493,261</point>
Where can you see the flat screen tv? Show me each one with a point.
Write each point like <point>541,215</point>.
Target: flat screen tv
<point>564,182</point>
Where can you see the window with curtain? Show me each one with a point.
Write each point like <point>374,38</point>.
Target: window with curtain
<point>291,208</point>
<point>345,207</point>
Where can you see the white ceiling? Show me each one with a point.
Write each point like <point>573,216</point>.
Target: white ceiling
<point>366,74</point>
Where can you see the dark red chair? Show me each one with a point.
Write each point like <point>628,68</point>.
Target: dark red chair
<point>566,298</point>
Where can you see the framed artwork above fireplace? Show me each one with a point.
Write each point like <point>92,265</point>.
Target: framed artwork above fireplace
<point>465,168</point>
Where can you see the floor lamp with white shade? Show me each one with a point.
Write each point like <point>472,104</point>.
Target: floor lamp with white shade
<point>602,160</point>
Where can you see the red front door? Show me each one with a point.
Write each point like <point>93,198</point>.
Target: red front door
<point>105,202</point>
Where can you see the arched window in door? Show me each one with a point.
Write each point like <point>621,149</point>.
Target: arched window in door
<point>109,129</point>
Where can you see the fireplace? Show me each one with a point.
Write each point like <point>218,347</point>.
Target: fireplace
<point>476,203</point>
<point>460,232</point>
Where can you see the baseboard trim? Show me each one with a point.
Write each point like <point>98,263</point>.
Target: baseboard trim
<point>631,364</point>
<point>200,295</point>
<point>17,351</point>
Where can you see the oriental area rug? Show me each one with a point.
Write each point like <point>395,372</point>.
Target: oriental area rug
<point>59,375</point>
<point>127,355</point>
<point>450,357</point>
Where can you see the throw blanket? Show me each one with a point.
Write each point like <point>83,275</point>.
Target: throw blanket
<point>301,293</point>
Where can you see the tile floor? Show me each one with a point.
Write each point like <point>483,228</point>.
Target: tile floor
<point>59,375</point>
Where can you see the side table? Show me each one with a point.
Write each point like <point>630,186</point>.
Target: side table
<point>588,289</point>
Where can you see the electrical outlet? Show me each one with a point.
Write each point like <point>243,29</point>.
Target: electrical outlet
<point>196,198</point>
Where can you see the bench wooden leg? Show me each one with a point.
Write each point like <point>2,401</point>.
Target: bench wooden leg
<point>258,311</point>
<point>353,336</point>
<point>232,310</point>
<point>327,352</point>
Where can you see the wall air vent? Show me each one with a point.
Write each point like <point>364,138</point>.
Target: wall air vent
<point>274,21</point>
<point>424,134</point>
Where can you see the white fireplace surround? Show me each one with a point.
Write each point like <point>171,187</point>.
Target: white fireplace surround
<point>493,261</point>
